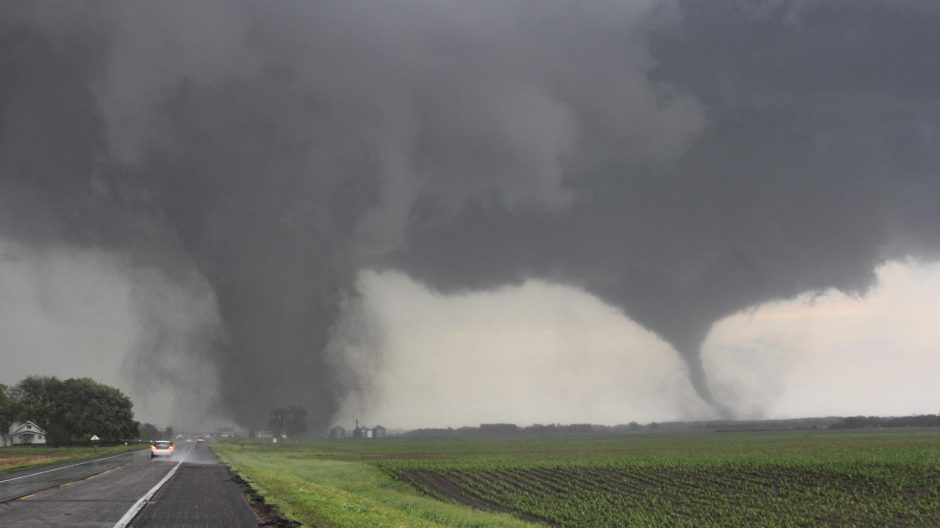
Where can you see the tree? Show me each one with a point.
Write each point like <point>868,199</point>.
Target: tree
<point>35,397</point>
<point>8,409</point>
<point>291,420</point>
<point>75,409</point>
<point>148,431</point>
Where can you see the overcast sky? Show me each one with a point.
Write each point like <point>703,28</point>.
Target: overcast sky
<point>564,209</point>
<point>562,356</point>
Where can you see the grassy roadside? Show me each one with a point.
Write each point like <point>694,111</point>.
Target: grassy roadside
<point>19,458</point>
<point>322,491</point>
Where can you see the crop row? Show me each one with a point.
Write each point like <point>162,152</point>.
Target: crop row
<point>697,495</point>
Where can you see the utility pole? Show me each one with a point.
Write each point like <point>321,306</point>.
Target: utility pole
<point>278,422</point>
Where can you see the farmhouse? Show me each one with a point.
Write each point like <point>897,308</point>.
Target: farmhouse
<point>27,433</point>
<point>378,432</point>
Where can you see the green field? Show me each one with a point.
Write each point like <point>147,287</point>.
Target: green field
<point>17,458</point>
<point>718,479</point>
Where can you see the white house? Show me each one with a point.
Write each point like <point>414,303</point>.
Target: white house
<point>27,433</point>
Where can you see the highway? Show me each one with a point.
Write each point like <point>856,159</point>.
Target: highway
<point>190,489</point>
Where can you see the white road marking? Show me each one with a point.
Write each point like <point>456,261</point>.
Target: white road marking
<point>129,515</point>
<point>64,467</point>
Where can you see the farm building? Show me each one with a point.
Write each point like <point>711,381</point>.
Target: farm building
<point>378,432</point>
<point>338,431</point>
<point>362,431</point>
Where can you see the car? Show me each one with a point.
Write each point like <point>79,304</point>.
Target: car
<point>161,448</point>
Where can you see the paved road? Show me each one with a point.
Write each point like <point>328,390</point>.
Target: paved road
<point>198,495</point>
<point>17,484</point>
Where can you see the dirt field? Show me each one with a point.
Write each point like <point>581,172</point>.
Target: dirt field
<point>438,485</point>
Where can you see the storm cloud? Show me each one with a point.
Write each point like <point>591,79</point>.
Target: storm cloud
<point>679,160</point>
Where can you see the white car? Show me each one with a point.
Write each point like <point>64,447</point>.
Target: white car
<point>161,448</point>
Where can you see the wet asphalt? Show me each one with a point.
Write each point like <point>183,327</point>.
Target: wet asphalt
<point>98,493</point>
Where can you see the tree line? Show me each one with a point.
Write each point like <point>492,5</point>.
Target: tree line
<point>70,410</point>
<point>148,431</point>
<point>290,421</point>
<point>866,422</point>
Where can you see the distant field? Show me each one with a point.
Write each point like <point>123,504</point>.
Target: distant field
<point>17,458</point>
<point>719,479</point>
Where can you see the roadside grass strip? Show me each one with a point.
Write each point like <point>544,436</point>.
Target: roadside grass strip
<point>341,494</point>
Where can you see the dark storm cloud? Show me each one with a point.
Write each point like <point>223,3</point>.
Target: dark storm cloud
<point>680,162</point>
<point>818,161</point>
